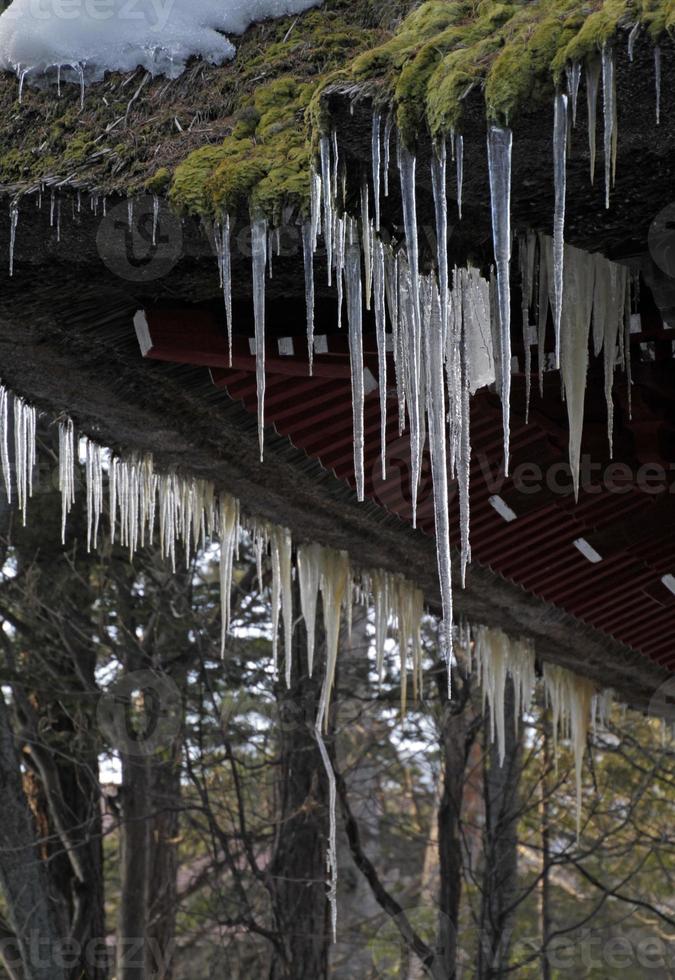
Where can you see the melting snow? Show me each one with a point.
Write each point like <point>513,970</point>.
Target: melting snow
<point>118,35</point>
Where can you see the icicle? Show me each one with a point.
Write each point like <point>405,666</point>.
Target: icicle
<point>570,698</point>
<point>94,482</point>
<point>657,82</point>
<point>632,37</point>
<point>228,523</point>
<point>226,274</point>
<point>474,302</point>
<point>309,576</point>
<point>13,225</point>
<point>155,218</point>
<point>408,170</point>
<point>464,461</point>
<point>609,109</point>
<point>381,603</point>
<point>327,203</point>
<point>412,375</point>
<point>335,577</point>
<point>500,142</point>
<point>386,157</point>
<point>22,78</point>
<point>601,709</point>
<point>4,442</point>
<point>435,385</point>
<point>526,261</point>
<point>380,325</point>
<point>592,87</point>
<point>259,253</point>
<point>614,334</point>
<point>377,166</point>
<point>336,160</point>
<point>283,542</point>
<point>576,324</point>
<point>498,658</point>
<point>439,185</point>
<point>80,74</point>
<point>308,254</point>
<point>315,210</point>
<point>459,159</point>
<point>367,232</point>
<point>414,398</point>
<point>340,246</point>
<point>25,418</point>
<point>355,312</point>
<point>560,175</point>
<point>491,652</point>
<point>573,73</point>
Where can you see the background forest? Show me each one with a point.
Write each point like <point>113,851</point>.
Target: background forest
<point>175,806</point>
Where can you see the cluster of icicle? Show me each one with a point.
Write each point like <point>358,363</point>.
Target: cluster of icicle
<point>437,329</point>
<point>595,302</point>
<point>577,706</point>
<point>449,332</point>
<point>145,506</point>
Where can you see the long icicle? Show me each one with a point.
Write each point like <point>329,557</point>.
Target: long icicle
<point>500,145</point>
<point>560,127</point>
<point>459,160</point>
<point>226,273</point>
<point>355,315</point>
<point>439,176</point>
<point>66,472</point>
<point>380,326</point>
<point>377,167</point>
<point>408,171</point>
<point>309,577</point>
<point>308,256</point>
<point>592,87</point>
<point>327,185</point>
<point>228,520</point>
<point>259,253</point>
<point>609,110</point>
<point>4,442</point>
<point>434,350</point>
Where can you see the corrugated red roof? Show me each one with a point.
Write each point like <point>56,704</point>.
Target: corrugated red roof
<point>630,526</point>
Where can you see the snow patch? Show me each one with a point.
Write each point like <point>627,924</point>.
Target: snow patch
<point>96,36</point>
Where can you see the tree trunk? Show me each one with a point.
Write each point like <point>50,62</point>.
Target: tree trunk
<point>545,852</point>
<point>24,879</point>
<point>162,867</point>
<point>500,849</point>
<point>135,848</point>
<point>298,868</point>
<point>458,735</point>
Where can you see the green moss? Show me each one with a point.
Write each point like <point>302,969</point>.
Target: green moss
<point>264,163</point>
<point>516,52</point>
<point>244,134</point>
<point>159,182</point>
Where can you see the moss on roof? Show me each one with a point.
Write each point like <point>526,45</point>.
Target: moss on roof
<point>244,133</point>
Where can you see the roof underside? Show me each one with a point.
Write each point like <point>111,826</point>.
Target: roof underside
<point>67,342</point>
